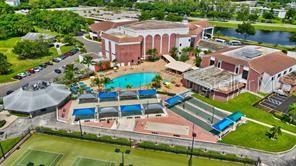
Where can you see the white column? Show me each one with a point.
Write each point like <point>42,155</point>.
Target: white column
<point>144,47</point>
<point>213,29</point>
<point>169,43</point>
<point>152,41</point>
<point>160,51</point>
<point>203,33</point>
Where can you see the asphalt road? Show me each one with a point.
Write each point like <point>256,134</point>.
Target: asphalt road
<point>48,73</point>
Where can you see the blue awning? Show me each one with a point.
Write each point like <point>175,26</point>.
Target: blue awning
<point>222,125</point>
<point>236,116</point>
<point>84,111</point>
<point>148,92</point>
<point>174,100</point>
<point>107,95</point>
<point>130,108</point>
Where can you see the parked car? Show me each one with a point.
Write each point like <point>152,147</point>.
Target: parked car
<point>31,71</point>
<point>48,63</point>
<point>37,69</point>
<point>17,77</point>
<point>57,60</point>
<point>27,73</point>
<point>58,71</point>
<point>9,92</point>
<point>63,57</point>
<point>22,75</point>
<point>74,51</point>
<point>43,65</point>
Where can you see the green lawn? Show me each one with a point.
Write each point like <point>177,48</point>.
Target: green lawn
<point>253,135</point>
<point>244,103</point>
<point>73,150</point>
<point>18,65</point>
<point>8,144</point>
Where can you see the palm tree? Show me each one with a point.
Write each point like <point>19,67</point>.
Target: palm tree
<point>156,82</point>
<point>275,131</point>
<point>152,52</point>
<point>87,60</point>
<point>196,51</point>
<point>292,112</point>
<point>69,72</point>
<point>174,52</point>
<point>197,61</point>
<point>106,80</point>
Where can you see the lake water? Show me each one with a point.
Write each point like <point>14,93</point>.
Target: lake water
<point>272,37</point>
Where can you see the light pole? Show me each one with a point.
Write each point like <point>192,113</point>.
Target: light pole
<point>192,144</point>
<point>117,150</point>
<point>78,119</point>
<point>213,110</point>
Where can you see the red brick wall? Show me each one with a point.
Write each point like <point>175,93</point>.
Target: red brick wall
<point>157,43</point>
<point>172,40</point>
<point>128,53</point>
<point>165,44</point>
<point>205,62</point>
<point>219,96</point>
<point>148,42</point>
<point>110,51</point>
<point>253,81</point>
<point>228,66</point>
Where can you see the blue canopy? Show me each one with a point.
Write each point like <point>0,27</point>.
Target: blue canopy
<point>148,92</point>
<point>174,100</point>
<point>130,108</point>
<point>222,124</point>
<point>107,95</point>
<point>236,116</point>
<point>84,111</point>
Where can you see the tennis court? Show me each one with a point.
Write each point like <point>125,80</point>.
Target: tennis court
<point>37,157</point>
<point>81,161</point>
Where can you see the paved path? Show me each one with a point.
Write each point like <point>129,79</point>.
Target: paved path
<point>49,120</point>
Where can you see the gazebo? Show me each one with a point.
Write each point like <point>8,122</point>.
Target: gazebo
<point>131,110</point>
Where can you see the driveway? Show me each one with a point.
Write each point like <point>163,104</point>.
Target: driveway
<point>89,45</point>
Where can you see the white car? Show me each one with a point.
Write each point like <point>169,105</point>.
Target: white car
<point>22,75</point>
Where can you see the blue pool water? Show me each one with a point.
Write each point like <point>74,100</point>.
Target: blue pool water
<point>136,80</point>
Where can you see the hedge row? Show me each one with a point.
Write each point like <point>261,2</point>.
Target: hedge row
<point>145,145</point>
<point>86,136</point>
<point>196,152</point>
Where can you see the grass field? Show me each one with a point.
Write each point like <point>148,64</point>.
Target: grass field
<point>67,152</point>
<point>18,65</point>
<point>254,136</point>
<point>8,144</point>
<point>244,103</point>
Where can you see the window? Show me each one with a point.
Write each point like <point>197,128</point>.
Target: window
<point>290,69</point>
<point>219,64</point>
<point>272,78</point>
<point>189,40</point>
<point>180,44</point>
<point>285,72</point>
<point>245,74</point>
<point>236,69</point>
<point>212,62</point>
<point>279,75</point>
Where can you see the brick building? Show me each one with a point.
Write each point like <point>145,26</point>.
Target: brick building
<point>260,68</point>
<point>129,42</point>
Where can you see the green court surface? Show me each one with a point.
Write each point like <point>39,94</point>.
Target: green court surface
<point>38,157</point>
<point>60,151</point>
<point>91,162</point>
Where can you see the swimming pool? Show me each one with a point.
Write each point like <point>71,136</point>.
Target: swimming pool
<point>135,80</point>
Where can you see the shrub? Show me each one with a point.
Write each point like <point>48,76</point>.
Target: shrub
<point>86,136</point>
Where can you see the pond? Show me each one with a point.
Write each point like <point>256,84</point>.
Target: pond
<point>135,80</point>
<point>271,37</point>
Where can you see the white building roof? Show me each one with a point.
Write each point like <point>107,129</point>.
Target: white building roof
<point>27,101</point>
<point>179,66</point>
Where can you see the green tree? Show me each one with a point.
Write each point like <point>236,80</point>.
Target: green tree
<point>196,51</point>
<point>4,64</point>
<point>5,8</point>
<point>156,82</point>
<point>292,112</point>
<point>87,60</point>
<point>268,15</point>
<point>128,86</point>
<point>275,131</point>
<point>197,61</point>
<point>246,29</point>
<point>69,73</point>
<point>174,52</point>
<point>152,54</point>
<point>31,49</point>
